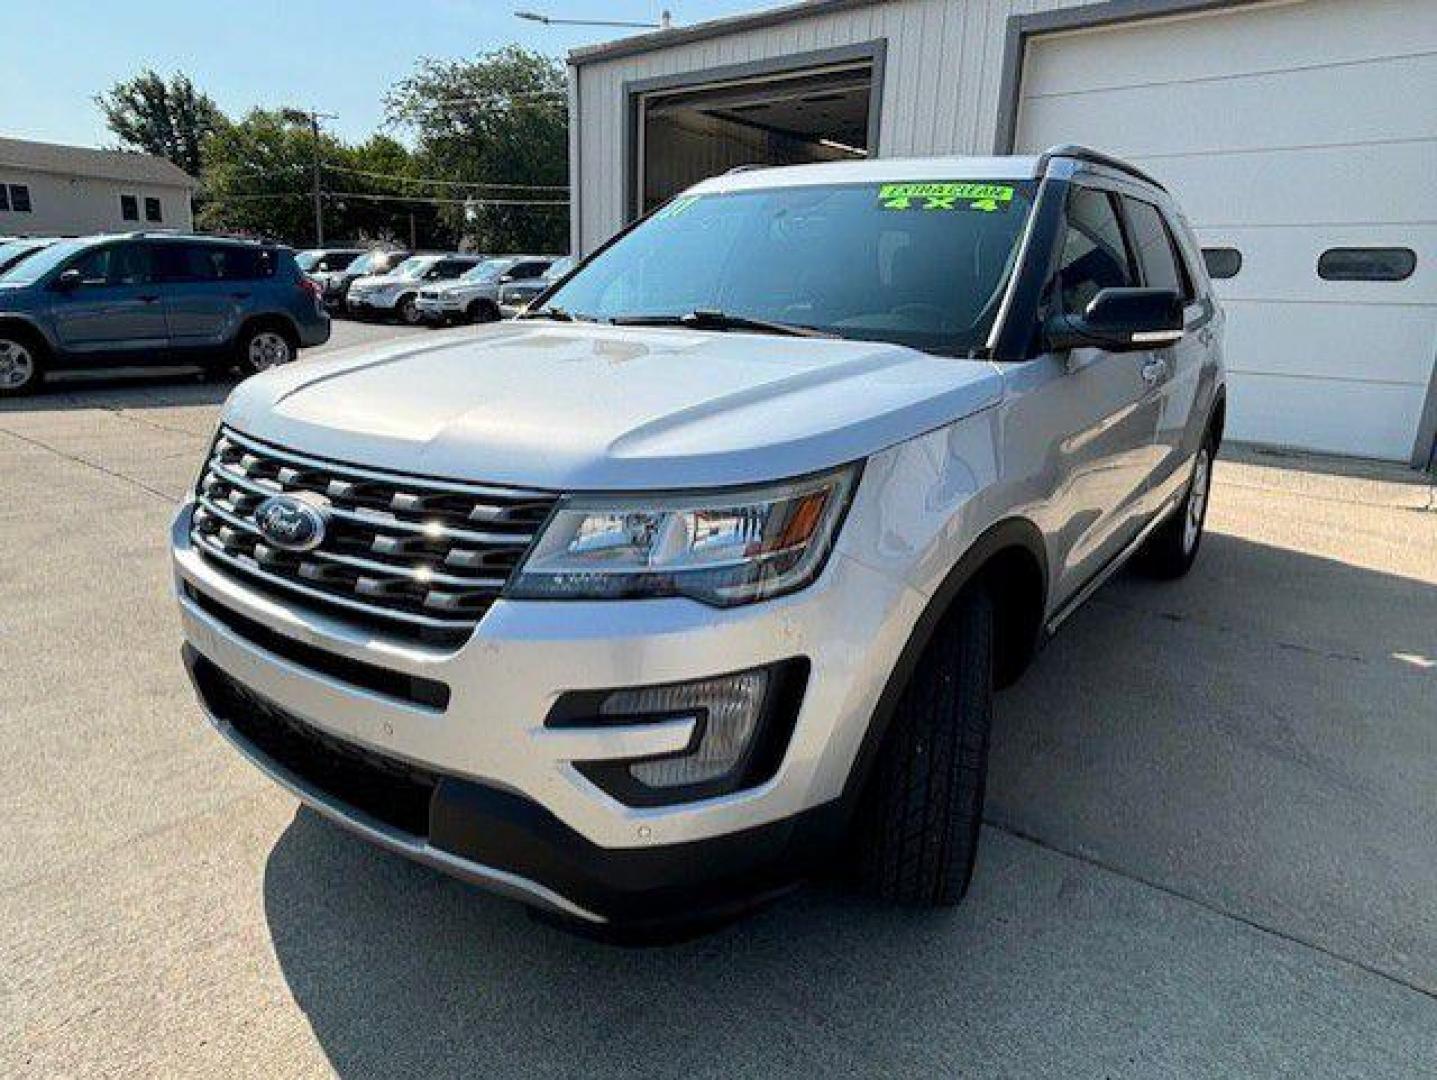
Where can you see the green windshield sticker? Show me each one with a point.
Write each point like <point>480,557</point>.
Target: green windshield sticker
<point>986,198</point>
<point>678,206</point>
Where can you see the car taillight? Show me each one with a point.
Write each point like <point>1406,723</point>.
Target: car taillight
<point>309,285</point>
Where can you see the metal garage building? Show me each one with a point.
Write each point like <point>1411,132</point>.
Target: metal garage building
<point>1300,135</point>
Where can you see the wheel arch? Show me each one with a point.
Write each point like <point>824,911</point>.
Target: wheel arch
<point>269,320</point>
<point>17,324</point>
<point>1010,559</point>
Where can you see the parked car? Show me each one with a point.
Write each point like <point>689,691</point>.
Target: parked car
<point>12,251</point>
<point>335,283</point>
<point>700,576</point>
<point>154,299</point>
<point>515,296</point>
<point>474,296</point>
<point>395,294</point>
<point>317,261</point>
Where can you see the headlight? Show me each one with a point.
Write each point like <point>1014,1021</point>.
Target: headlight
<point>723,548</point>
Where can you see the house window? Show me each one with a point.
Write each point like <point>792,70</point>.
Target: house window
<point>20,198</point>
<point>1222,262</point>
<point>4,197</point>
<point>152,210</point>
<point>129,208</point>
<point>1366,264</point>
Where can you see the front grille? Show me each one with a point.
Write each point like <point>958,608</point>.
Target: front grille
<point>417,557</point>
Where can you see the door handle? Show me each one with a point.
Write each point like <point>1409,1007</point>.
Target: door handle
<point>147,298</point>
<point>240,295</point>
<point>1154,370</point>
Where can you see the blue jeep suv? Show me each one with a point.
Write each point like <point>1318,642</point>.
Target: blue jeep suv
<point>154,299</point>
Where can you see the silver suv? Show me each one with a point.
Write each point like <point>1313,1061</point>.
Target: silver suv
<point>700,577</point>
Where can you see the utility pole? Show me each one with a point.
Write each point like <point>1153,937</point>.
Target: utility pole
<point>313,117</point>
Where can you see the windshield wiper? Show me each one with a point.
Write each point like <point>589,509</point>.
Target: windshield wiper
<point>558,314</point>
<point>719,320</point>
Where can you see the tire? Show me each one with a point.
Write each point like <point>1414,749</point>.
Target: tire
<point>1170,552</point>
<point>22,363</point>
<point>262,347</point>
<point>408,310</point>
<point>916,839</point>
<point>482,311</point>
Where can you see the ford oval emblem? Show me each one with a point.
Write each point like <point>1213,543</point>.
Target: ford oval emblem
<point>290,523</point>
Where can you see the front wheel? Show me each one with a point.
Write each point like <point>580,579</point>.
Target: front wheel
<point>1171,550</point>
<point>22,365</point>
<point>408,309</point>
<point>263,347</point>
<point>916,838</point>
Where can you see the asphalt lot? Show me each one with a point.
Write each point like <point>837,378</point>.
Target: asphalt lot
<point>1213,814</point>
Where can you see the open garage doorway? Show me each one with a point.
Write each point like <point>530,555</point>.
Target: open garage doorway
<point>825,111</point>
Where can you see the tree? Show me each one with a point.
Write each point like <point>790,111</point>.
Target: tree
<point>170,119</point>
<point>257,182</point>
<point>499,121</point>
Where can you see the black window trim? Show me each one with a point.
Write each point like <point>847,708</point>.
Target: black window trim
<point>1386,249</point>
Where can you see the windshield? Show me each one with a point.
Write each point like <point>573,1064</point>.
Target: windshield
<point>41,263</point>
<point>372,262</point>
<point>558,269</point>
<point>922,265</point>
<point>413,268</point>
<point>486,271</point>
<point>16,250</point>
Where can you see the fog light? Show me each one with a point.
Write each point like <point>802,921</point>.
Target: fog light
<point>727,709</point>
<point>742,723</point>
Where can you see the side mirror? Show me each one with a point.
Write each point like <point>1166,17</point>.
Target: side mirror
<point>1120,320</point>
<point>69,281</point>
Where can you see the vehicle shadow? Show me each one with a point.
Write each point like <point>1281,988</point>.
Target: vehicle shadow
<point>1183,736</point>
<point>126,388</point>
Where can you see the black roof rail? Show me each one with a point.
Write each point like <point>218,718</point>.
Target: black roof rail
<point>1093,157</point>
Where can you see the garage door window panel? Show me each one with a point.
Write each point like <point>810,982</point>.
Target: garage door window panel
<point>1222,262</point>
<point>1366,264</point>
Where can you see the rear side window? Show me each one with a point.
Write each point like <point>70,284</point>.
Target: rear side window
<point>523,270</point>
<point>1366,264</point>
<point>1094,256</point>
<point>213,262</point>
<point>1157,254</point>
<point>115,264</point>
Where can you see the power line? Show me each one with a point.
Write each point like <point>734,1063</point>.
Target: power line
<point>448,183</point>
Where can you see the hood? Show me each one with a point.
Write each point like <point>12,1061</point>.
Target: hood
<point>380,281</point>
<point>591,408</point>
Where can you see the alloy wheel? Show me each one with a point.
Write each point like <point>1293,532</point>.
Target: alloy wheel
<point>17,365</point>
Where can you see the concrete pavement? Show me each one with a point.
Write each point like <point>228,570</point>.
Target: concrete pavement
<point>1210,848</point>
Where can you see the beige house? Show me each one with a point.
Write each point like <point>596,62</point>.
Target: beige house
<point>52,190</point>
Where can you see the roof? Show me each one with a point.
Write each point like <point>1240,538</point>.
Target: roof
<point>683,35</point>
<point>875,171</point>
<point>85,161</point>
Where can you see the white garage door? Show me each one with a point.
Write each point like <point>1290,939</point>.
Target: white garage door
<point>1287,131</point>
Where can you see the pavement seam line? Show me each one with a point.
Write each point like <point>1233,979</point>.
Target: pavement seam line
<point>1209,906</point>
<point>72,458</point>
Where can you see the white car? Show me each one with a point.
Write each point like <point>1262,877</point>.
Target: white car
<point>474,297</point>
<point>699,578</point>
<point>396,294</point>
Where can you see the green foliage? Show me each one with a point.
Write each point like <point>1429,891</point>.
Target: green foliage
<point>500,119</point>
<point>170,119</point>
<point>258,176</point>
<point>497,120</point>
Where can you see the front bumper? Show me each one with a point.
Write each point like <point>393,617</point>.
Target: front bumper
<point>511,810</point>
<point>438,309</point>
<point>371,302</point>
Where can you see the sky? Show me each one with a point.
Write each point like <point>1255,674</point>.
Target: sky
<point>337,57</point>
